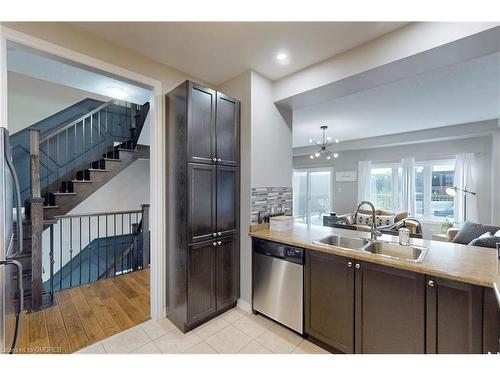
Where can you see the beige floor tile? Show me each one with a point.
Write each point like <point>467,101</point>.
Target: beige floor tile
<point>176,342</point>
<point>211,327</point>
<point>167,325</point>
<point>96,348</point>
<point>252,325</point>
<point>149,348</point>
<point>201,348</point>
<point>233,315</point>
<point>307,347</point>
<point>157,328</point>
<point>126,341</point>
<point>228,340</point>
<point>279,340</point>
<point>255,348</point>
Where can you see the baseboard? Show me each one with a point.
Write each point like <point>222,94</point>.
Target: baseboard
<point>245,306</point>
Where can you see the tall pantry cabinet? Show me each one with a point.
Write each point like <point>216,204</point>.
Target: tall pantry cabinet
<point>203,208</point>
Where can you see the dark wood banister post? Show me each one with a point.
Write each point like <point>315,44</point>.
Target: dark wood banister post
<point>36,204</point>
<point>145,235</point>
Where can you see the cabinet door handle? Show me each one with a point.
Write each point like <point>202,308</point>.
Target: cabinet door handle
<point>358,266</point>
<point>219,160</point>
<point>214,160</point>
<point>214,243</point>
<point>219,243</point>
<point>214,234</point>
<point>349,264</point>
<point>219,234</point>
<point>431,283</point>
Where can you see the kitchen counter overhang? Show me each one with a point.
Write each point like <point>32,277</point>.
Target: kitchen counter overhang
<point>469,264</point>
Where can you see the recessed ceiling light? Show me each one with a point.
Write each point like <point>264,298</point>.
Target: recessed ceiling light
<point>282,58</point>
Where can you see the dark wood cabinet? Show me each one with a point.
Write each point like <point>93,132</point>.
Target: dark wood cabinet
<point>454,317</point>
<point>203,204</point>
<point>329,300</point>
<point>390,310</point>
<point>491,322</point>
<point>227,275</point>
<point>227,130</point>
<point>201,281</point>
<point>201,123</point>
<point>227,201</point>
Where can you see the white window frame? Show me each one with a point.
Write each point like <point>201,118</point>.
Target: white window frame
<point>395,197</point>
<point>428,164</point>
<point>308,186</point>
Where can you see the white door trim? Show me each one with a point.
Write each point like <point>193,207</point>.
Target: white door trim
<point>157,146</point>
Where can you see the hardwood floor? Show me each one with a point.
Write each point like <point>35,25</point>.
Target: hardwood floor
<point>87,314</point>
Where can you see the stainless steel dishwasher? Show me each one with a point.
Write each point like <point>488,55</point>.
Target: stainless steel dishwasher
<point>278,281</point>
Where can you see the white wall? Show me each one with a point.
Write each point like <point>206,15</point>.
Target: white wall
<point>345,193</point>
<point>31,100</point>
<point>271,137</point>
<point>126,191</point>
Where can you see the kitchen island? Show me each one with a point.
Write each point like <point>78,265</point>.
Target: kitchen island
<point>358,302</point>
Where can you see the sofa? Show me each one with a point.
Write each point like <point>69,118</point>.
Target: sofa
<point>474,234</point>
<point>387,222</point>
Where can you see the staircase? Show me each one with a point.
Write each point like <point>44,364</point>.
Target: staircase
<point>72,189</point>
<point>75,152</point>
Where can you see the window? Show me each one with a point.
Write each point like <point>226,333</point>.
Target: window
<point>431,181</point>
<point>442,178</point>
<point>386,187</point>
<point>312,195</point>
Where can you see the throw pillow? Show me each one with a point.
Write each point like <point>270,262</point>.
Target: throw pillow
<point>364,219</point>
<point>485,235</point>
<point>470,231</point>
<point>490,241</point>
<point>383,220</point>
<point>497,234</point>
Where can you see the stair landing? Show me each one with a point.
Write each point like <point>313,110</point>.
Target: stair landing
<point>86,314</point>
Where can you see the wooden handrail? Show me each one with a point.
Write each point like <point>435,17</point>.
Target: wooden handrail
<point>109,213</point>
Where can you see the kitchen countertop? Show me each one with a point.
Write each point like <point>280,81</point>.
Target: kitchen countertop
<point>470,264</point>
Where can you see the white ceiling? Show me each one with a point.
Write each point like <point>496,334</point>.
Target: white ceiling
<point>460,93</point>
<point>34,64</point>
<point>219,51</point>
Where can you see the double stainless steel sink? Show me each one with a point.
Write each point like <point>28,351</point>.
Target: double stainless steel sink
<point>411,253</point>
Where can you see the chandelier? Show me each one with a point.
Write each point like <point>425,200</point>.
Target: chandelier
<point>323,146</point>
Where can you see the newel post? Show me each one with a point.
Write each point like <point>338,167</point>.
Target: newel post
<point>36,204</point>
<point>145,235</point>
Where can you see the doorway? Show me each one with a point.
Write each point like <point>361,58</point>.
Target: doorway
<point>312,195</point>
<point>11,39</point>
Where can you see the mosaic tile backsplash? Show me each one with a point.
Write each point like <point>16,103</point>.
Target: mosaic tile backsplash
<point>271,200</point>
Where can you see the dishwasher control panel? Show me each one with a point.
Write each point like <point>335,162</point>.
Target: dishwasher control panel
<point>278,250</point>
